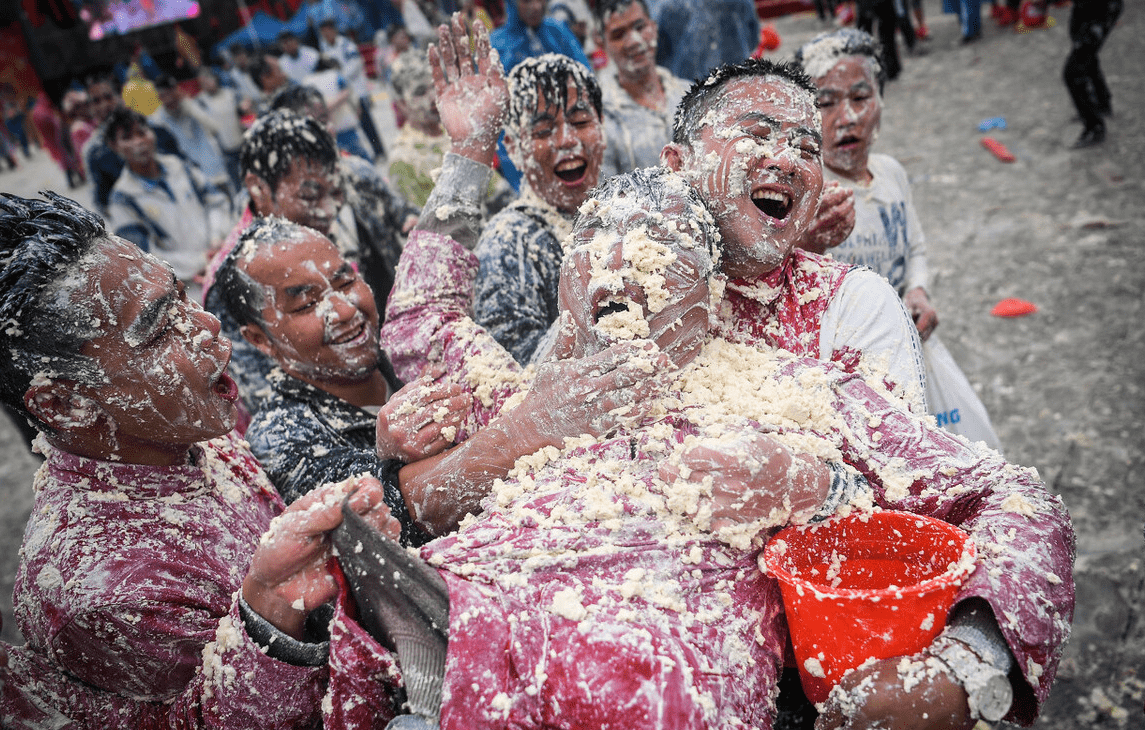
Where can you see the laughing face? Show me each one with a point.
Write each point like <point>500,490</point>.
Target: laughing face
<point>755,159</point>
<point>319,320</point>
<point>164,363</point>
<point>559,150</point>
<point>852,109</point>
<point>643,275</point>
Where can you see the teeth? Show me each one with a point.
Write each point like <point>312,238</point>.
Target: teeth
<point>348,336</point>
<point>771,195</point>
<point>569,165</point>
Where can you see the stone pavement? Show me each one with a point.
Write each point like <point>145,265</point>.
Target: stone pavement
<point>1063,229</point>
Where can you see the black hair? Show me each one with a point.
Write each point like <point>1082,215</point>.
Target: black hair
<point>604,8</point>
<point>122,119</point>
<point>699,98</point>
<point>242,296</point>
<point>297,98</point>
<point>549,74</point>
<point>841,43</point>
<point>102,79</point>
<point>40,241</point>
<point>280,137</point>
<point>259,66</point>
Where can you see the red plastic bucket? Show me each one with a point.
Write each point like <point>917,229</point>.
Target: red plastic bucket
<point>870,585</point>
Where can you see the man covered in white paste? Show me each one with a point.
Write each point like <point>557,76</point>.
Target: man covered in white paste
<point>150,591</point>
<point>748,138</point>
<point>616,578</point>
<point>555,138</point>
<point>303,306</point>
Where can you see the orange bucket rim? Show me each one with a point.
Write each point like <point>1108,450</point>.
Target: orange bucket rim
<point>957,571</point>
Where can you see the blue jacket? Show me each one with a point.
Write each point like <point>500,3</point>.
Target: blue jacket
<point>515,42</point>
<point>695,37</point>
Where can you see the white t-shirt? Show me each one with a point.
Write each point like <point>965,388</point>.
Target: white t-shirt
<point>887,236</point>
<point>868,316</point>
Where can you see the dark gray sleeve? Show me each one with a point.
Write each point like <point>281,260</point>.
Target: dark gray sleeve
<point>454,207</point>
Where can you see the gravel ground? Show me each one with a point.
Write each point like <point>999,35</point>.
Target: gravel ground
<point>1060,228</point>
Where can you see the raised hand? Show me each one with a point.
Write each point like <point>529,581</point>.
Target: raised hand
<point>472,96</point>
<point>833,221</point>
<point>288,576</point>
<point>422,418</point>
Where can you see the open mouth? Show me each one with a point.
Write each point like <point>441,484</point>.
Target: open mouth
<point>849,141</point>
<point>226,388</point>
<point>571,171</point>
<point>350,336</point>
<point>772,203</point>
<point>610,307</point>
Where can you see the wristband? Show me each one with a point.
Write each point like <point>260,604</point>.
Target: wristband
<point>845,485</point>
<point>279,645</point>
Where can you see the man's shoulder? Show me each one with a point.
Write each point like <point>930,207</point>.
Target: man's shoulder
<point>673,84</point>
<point>286,416</point>
<point>516,224</point>
<point>808,266</point>
<point>126,187</point>
<point>883,165</point>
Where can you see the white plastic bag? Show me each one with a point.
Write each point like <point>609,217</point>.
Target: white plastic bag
<point>952,400</point>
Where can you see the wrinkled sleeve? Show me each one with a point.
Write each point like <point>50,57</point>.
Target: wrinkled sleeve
<point>1023,534</point>
<point>454,207</point>
<point>226,681</point>
<point>867,316</point>
<point>433,288</point>
<point>516,288</point>
<point>433,283</point>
